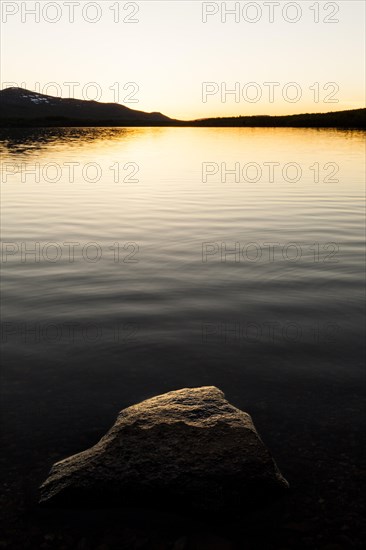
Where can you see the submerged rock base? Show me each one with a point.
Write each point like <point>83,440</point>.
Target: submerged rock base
<point>184,447</point>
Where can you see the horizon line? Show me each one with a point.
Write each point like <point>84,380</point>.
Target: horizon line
<point>200,119</point>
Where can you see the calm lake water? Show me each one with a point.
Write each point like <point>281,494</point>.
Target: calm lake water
<point>133,265</point>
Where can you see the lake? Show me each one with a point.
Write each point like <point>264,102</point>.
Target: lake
<point>141,260</point>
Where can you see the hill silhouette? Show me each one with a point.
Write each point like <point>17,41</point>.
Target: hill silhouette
<point>24,108</point>
<point>18,104</point>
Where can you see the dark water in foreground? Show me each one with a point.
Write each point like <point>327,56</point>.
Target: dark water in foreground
<point>131,266</point>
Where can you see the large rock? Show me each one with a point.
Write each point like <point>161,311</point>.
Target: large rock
<point>186,446</point>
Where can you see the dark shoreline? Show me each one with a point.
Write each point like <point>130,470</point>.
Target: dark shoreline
<point>354,119</point>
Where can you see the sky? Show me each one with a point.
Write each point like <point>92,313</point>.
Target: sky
<point>183,58</point>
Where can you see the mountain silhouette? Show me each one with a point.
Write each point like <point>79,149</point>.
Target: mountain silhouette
<point>23,108</point>
<point>18,103</point>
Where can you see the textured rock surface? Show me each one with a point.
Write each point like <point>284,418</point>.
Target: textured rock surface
<point>186,446</point>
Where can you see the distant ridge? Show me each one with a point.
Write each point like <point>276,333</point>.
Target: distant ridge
<point>355,118</point>
<point>24,108</point>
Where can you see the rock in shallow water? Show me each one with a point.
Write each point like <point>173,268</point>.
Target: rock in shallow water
<point>186,446</point>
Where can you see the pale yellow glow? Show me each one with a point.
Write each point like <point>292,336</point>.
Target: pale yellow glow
<point>169,53</point>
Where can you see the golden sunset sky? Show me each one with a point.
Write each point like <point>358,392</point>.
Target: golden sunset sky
<point>168,52</point>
